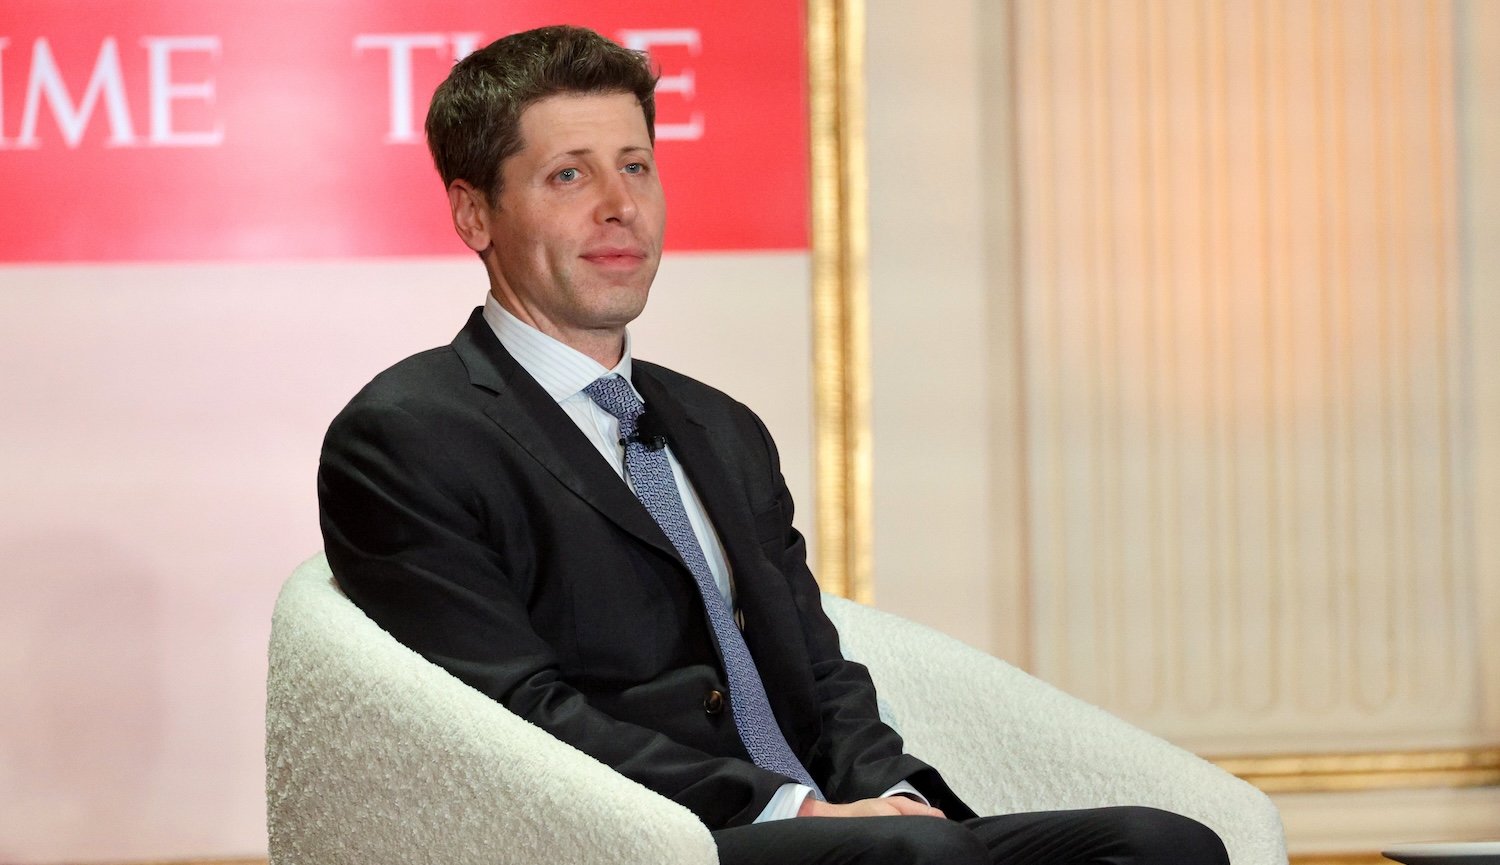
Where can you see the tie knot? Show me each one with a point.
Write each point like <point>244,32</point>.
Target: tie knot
<point>615,395</point>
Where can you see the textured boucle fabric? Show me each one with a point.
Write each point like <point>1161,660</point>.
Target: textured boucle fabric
<point>1008,742</point>
<point>374,755</point>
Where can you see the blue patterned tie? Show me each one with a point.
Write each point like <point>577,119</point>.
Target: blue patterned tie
<point>655,486</point>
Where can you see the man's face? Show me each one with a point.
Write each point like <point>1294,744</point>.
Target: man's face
<point>577,229</point>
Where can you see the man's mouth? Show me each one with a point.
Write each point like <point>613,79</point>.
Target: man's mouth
<point>615,256</point>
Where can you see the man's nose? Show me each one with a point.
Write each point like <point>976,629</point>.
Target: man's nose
<point>617,200</point>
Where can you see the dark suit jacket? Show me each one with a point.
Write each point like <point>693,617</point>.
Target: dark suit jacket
<point>465,513</point>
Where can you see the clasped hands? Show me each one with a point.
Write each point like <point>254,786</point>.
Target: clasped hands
<point>889,806</point>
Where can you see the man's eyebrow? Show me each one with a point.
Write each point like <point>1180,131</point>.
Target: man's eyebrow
<point>629,148</point>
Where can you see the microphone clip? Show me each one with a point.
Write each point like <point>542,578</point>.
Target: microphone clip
<point>648,433</point>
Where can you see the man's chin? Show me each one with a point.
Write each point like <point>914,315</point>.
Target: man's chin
<point>618,305</point>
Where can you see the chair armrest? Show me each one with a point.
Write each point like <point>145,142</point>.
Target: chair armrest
<point>1008,742</point>
<point>373,754</point>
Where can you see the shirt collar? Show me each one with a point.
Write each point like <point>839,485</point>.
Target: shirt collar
<point>561,370</point>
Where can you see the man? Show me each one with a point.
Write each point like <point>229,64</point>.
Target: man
<point>605,546</point>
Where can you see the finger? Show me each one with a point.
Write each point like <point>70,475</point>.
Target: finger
<point>912,807</point>
<point>877,807</point>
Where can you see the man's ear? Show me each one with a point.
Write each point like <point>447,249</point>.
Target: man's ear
<point>471,215</point>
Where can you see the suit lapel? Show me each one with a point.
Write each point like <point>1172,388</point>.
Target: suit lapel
<point>764,600</point>
<point>528,414</point>
<point>688,438</point>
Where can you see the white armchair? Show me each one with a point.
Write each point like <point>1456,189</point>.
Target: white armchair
<point>375,755</point>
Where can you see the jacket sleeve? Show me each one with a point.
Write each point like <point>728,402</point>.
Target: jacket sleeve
<point>857,756</point>
<point>410,542</point>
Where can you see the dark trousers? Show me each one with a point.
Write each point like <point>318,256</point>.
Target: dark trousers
<point>1110,836</point>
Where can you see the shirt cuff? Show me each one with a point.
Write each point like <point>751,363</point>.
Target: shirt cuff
<point>786,803</point>
<point>901,789</point>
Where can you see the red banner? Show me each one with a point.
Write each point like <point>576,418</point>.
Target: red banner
<point>183,130</point>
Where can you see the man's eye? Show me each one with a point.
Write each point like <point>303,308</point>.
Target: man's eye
<point>568,175</point>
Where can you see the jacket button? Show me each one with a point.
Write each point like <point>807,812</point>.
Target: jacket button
<point>713,704</point>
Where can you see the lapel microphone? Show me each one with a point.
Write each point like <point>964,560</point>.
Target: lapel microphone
<point>648,432</point>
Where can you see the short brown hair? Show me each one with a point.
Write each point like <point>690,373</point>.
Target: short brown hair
<point>474,122</point>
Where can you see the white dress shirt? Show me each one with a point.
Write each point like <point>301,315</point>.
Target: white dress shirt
<point>563,372</point>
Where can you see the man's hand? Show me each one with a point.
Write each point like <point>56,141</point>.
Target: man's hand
<point>890,806</point>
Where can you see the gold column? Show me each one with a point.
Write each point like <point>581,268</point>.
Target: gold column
<point>841,309</point>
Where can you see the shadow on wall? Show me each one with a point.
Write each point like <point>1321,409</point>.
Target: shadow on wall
<point>79,691</point>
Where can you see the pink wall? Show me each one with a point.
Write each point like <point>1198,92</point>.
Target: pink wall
<point>157,454</point>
